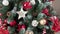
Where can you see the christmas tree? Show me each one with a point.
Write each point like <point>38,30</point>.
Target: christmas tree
<point>28,17</point>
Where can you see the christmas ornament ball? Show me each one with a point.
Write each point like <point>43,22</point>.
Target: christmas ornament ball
<point>34,23</point>
<point>23,26</point>
<point>13,23</point>
<point>1,32</point>
<point>27,5</point>
<point>5,2</point>
<point>29,32</point>
<point>42,21</point>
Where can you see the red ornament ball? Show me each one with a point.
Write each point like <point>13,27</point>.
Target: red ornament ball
<point>5,21</point>
<point>2,31</point>
<point>13,23</point>
<point>23,26</point>
<point>27,5</point>
<point>6,32</point>
<point>19,27</point>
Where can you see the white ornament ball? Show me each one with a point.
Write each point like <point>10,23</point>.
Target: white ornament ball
<point>5,2</point>
<point>29,32</point>
<point>34,23</point>
<point>43,22</point>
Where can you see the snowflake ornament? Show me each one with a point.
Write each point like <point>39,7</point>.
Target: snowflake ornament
<point>21,13</point>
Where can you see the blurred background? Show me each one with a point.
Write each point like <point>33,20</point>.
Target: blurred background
<point>56,6</point>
